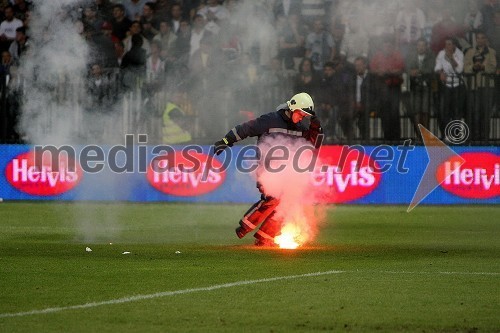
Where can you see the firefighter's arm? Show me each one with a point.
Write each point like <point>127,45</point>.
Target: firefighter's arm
<point>314,132</point>
<point>220,145</point>
<point>251,128</point>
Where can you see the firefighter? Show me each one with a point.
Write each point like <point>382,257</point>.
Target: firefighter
<point>286,121</point>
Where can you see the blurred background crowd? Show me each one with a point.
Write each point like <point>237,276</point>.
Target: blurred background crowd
<point>187,71</point>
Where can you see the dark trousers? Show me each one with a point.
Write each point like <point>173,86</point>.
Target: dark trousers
<point>451,106</point>
<point>478,115</point>
<point>388,107</point>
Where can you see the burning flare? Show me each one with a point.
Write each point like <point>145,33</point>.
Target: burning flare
<point>291,237</point>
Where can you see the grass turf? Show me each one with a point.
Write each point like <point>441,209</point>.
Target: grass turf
<point>401,272</point>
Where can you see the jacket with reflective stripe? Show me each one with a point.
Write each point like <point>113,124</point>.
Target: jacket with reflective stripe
<point>267,125</point>
<point>173,133</point>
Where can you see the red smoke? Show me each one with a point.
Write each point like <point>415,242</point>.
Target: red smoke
<point>297,210</point>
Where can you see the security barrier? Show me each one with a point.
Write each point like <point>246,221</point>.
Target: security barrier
<point>139,108</point>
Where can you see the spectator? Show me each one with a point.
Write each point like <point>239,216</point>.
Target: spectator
<point>363,96</point>
<point>162,9</point>
<point>150,24</point>
<point>291,41</point>
<point>307,78</point>
<point>213,13</point>
<point>205,67</point>
<point>355,42</point>
<point>11,103</point>
<point>205,59</point>
<point>120,22</point>
<point>409,26</point>
<point>134,8</point>
<point>338,33</point>
<point>6,64</point>
<point>319,46</point>
<point>176,17</point>
<point>285,8</point>
<point>473,22</point>
<point>494,38</point>
<point>27,20</point>
<point>91,22</point>
<point>99,88</point>
<point>21,7</point>
<point>449,66</point>
<point>136,30</point>
<point>325,98</point>
<point>433,16</point>
<point>134,62</point>
<point>155,66</point>
<point>494,35</point>
<point>120,53</point>
<point>488,10</point>
<point>8,28</point>
<point>167,41</point>
<point>388,65</point>
<point>420,68</point>
<point>107,31</point>
<point>447,27</point>
<point>480,60</point>
<point>102,47</point>
<point>197,33</point>
<point>229,41</point>
<point>104,10</point>
<point>20,45</point>
<point>342,82</point>
<point>183,43</point>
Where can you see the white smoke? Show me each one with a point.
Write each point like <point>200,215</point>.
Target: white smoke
<point>54,72</point>
<point>54,65</point>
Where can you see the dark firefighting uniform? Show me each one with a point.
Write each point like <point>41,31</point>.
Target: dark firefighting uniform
<point>269,125</point>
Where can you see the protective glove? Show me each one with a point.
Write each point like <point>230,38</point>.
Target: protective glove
<point>315,123</point>
<point>314,131</point>
<point>220,145</point>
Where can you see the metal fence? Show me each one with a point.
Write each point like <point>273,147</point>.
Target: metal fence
<point>138,109</point>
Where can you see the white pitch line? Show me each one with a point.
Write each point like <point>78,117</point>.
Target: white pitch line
<point>219,286</point>
<point>164,294</point>
<point>440,273</point>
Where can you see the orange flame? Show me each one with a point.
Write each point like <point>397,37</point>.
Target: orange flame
<point>290,237</point>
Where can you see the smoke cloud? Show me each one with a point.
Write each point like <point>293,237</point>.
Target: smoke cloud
<point>51,111</point>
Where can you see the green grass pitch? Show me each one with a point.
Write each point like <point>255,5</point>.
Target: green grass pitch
<point>436,269</point>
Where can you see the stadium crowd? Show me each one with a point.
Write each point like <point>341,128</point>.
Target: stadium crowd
<point>422,60</point>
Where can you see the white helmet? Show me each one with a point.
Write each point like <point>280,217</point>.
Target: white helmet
<point>303,102</point>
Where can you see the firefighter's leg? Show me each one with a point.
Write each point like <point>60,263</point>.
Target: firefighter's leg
<point>257,214</point>
<point>267,231</point>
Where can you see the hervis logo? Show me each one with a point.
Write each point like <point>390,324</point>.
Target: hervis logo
<point>477,178</point>
<point>345,177</point>
<point>186,174</point>
<point>42,180</point>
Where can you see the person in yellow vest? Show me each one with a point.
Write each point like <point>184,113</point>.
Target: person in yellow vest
<point>174,122</point>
